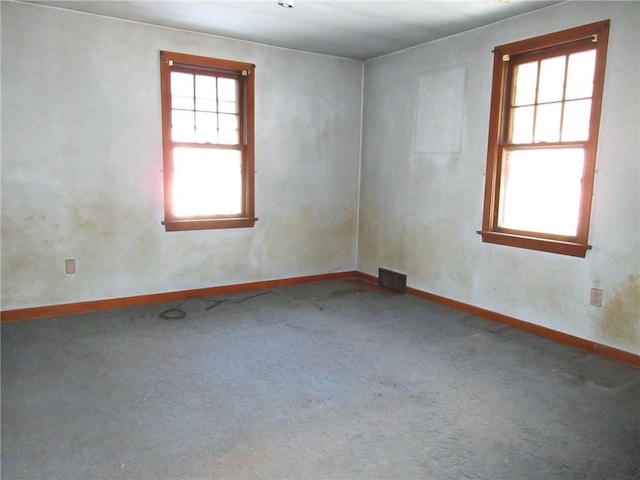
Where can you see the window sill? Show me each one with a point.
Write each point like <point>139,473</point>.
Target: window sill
<point>208,224</point>
<point>533,243</point>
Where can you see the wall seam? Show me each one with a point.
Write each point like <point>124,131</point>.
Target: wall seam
<point>358,200</point>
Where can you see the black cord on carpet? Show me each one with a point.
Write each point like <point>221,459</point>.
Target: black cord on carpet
<point>175,313</point>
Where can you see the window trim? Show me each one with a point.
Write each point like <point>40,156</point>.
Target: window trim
<point>193,63</point>
<point>577,245</point>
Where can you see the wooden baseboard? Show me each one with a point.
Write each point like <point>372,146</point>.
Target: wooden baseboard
<point>556,336</point>
<point>139,300</point>
<point>108,304</point>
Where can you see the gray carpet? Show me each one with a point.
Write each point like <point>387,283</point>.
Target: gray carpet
<point>324,380</point>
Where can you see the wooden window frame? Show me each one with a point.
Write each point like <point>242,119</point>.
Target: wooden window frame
<point>245,73</point>
<point>505,56</point>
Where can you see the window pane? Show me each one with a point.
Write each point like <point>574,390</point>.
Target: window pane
<point>182,127</point>
<point>227,95</point>
<point>522,125</point>
<point>227,107</point>
<point>227,88</point>
<point>181,84</point>
<point>206,93</point>
<point>206,105</point>
<point>575,122</point>
<point>205,86</point>
<point>548,123</point>
<point>551,86</point>
<point>206,181</point>
<point>182,90</point>
<point>182,103</point>
<point>580,75</point>
<point>228,129</point>
<point>541,190</point>
<point>206,127</point>
<point>525,84</point>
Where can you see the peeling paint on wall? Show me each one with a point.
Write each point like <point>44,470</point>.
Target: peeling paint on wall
<point>619,322</point>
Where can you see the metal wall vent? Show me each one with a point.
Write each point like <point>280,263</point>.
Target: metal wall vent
<point>392,280</point>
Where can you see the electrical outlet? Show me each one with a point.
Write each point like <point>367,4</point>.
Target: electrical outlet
<point>596,297</point>
<point>70,266</point>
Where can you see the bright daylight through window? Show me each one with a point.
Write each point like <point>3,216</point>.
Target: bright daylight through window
<point>545,114</point>
<point>207,118</point>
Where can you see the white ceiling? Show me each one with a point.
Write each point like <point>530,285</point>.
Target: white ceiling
<point>354,29</point>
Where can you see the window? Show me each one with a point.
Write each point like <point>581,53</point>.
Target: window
<point>208,152</point>
<point>543,133</point>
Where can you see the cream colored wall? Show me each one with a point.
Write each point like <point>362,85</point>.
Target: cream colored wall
<point>81,163</point>
<point>420,209</point>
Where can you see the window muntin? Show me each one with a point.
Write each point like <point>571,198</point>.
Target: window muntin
<point>207,107</point>
<point>552,99</point>
<point>542,141</point>
<point>204,109</point>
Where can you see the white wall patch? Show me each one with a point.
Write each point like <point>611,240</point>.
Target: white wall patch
<point>439,120</point>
